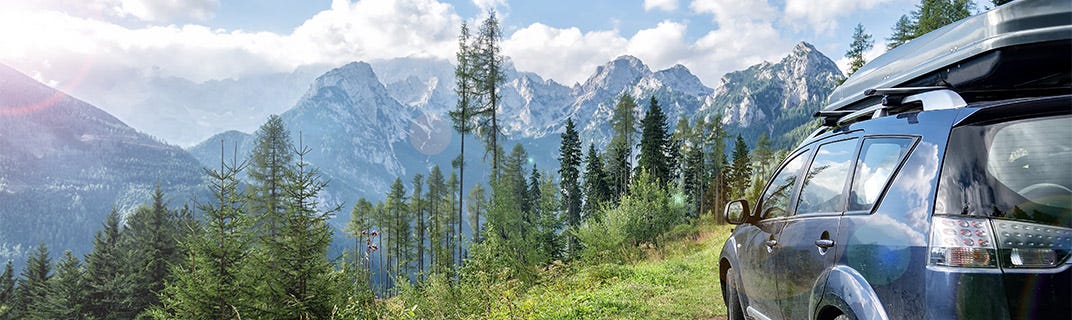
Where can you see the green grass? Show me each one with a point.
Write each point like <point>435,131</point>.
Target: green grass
<point>677,281</point>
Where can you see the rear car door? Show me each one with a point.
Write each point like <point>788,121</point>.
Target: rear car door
<point>758,271</point>
<point>807,239</point>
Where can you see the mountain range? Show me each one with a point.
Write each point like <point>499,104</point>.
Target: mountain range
<point>366,124</point>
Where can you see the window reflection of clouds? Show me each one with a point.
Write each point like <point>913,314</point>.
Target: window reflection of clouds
<point>879,157</point>
<point>912,189</point>
<point>777,195</point>
<point>823,185</point>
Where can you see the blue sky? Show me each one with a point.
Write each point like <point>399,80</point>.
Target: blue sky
<point>564,40</point>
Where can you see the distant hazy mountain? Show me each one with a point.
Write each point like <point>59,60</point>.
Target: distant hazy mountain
<point>184,112</point>
<point>65,164</point>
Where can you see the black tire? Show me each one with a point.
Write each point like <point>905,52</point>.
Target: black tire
<point>734,310</point>
<point>842,317</point>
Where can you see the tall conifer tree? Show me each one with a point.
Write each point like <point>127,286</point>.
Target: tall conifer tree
<point>107,283</point>
<point>569,169</point>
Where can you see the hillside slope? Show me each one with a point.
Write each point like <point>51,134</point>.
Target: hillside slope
<point>65,164</point>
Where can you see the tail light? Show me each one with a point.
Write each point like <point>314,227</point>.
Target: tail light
<point>1029,245</point>
<point>962,242</point>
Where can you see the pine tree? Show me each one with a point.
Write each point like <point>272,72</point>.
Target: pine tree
<point>595,184</point>
<point>108,286</point>
<point>7,291</point>
<point>741,170</point>
<point>488,64</point>
<point>477,206</point>
<point>620,151</point>
<point>449,223</point>
<point>569,169</point>
<point>928,16</point>
<point>151,241</point>
<point>304,277</point>
<point>269,160</point>
<point>654,143</point>
<point>549,221</point>
<point>397,232</point>
<point>437,211</point>
<point>214,279</point>
<point>903,31</point>
<point>360,228</point>
<point>33,284</point>
<point>417,208</point>
<point>861,42</point>
<point>65,296</point>
<point>933,14</point>
<point>461,117</point>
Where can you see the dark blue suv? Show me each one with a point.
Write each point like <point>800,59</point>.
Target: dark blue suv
<point>939,187</point>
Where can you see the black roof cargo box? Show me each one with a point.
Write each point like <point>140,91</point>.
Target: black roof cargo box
<point>1023,48</point>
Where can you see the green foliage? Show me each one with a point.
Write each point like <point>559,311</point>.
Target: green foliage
<point>151,241</point>
<point>740,172</point>
<point>569,169</point>
<point>674,283</point>
<point>928,16</point>
<point>620,151</point>
<point>487,76</point>
<point>861,42</point>
<point>303,282</point>
<point>65,296</point>
<point>32,290</point>
<point>596,192</point>
<point>7,290</point>
<point>903,31</point>
<point>214,280</point>
<point>269,161</point>
<point>108,284</point>
<point>655,144</point>
<point>648,211</point>
<point>477,206</point>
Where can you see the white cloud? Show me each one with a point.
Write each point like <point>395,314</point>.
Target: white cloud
<point>141,10</point>
<point>662,46</point>
<point>825,20</point>
<point>734,10</point>
<point>665,5</point>
<point>486,5</point>
<point>745,36</point>
<point>55,43</point>
<point>566,55</point>
<point>170,10</point>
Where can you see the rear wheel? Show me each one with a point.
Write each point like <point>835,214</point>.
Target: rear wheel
<point>734,311</point>
<point>842,317</point>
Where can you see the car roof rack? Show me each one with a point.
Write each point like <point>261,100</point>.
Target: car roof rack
<point>894,101</point>
<point>1015,50</point>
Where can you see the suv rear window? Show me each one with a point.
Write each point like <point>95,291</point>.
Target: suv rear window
<point>1016,170</point>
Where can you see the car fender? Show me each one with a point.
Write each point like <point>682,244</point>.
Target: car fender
<point>847,290</point>
<point>727,259</point>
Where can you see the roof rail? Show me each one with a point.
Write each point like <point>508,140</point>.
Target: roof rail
<point>895,100</point>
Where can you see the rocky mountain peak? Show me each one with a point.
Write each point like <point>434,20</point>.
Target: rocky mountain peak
<point>680,79</point>
<point>356,79</point>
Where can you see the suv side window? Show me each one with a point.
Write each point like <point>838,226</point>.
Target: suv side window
<point>879,158</point>
<point>775,200</point>
<point>824,184</point>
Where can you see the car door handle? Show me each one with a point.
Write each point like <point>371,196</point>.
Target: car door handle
<point>824,243</point>
<point>772,242</point>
